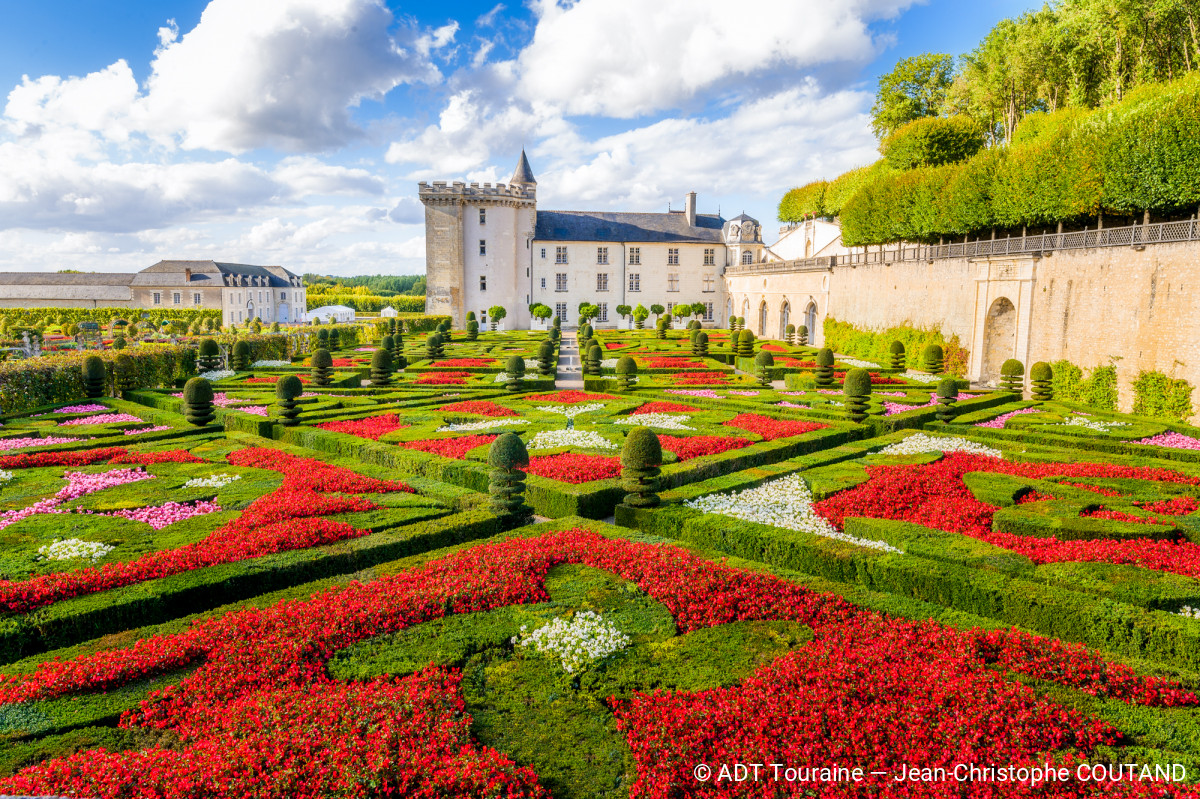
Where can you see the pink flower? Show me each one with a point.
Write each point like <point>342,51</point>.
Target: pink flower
<point>155,429</point>
<point>1171,439</point>
<point>103,418</point>
<point>999,421</point>
<point>21,443</point>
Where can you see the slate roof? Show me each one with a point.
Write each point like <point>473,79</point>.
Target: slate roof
<point>524,173</point>
<point>618,226</point>
<point>214,270</point>
<point>68,279</point>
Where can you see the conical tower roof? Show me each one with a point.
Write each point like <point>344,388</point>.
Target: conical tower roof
<point>524,173</point>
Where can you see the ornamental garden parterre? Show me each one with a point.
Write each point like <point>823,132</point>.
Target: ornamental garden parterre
<point>314,572</point>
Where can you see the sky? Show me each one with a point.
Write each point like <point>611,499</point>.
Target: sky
<point>294,132</point>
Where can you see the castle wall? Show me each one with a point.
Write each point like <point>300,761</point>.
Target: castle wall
<point>444,261</point>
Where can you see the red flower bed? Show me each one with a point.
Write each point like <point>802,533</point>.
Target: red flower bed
<point>663,407</point>
<point>568,467</point>
<point>673,363</point>
<point>569,397</point>
<point>612,345</point>
<point>442,379</point>
<point>479,408</point>
<point>449,447</point>
<point>283,520</point>
<point>373,427</point>
<point>934,495</point>
<point>1177,506</point>
<point>868,691</point>
<point>466,363</point>
<point>771,429</point>
<point>344,363</point>
<point>775,348</point>
<point>1107,492</point>
<point>701,378</point>
<point>792,363</point>
<point>1033,496</point>
<point>89,457</point>
<point>1117,516</point>
<point>688,447</point>
<point>272,379</point>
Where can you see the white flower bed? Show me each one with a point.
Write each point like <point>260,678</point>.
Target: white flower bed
<point>486,424</point>
<point>503,376</point>
<point>922,442</point>
<point>5,476</point>
<point>270,364</point>
<point>785,503</point>
<point>214,481</point>
<point>218,374</point>
<point>921,377</point>
<point>571,411</point>
<point>585,639</point>
<point>549,439</point>
<point>74,548</point>
<point>857,362</point>
<point>609,363</point>
<point>1089,424</point>
<point>1189,612</point>
<point>665,421</point>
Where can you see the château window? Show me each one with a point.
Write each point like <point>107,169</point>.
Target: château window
<point>708,312</point>
<point>560,281</point>
<point>157,298</point>
<point>560,310</point>
<point>483,247</point>
<point>603,317</point>
<point>602,281</point>
<point>177,298</point>
<point>747,257</point>
<point>602,255</point>
<point>196,298</point>
<point>543,282</point>
<point>672,256</point>
<point>709,284</point>
<point>543,253</point>
<point>483,216</point>
<point>672,281</point>
<point>483,282</point>
<point>560,255</point>
<point>635,281</point>
<point>635,256</point>
<point>710,256</point>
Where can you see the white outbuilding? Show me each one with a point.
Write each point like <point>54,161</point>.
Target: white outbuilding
<point>332,313</point>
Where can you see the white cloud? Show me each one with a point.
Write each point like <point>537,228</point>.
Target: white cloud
<point>98,104</point>
<point>625,58</point>
<point>306,176</point>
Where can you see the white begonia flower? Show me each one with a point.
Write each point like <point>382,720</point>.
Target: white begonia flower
<point>503,376</point>
<point>1089,424</point>
<point>549,439</point>
<point>571,411</point>
<point>921,377</point>
<point>664,421</point>
<point>5,476</point>
<point>858,363</point>
<point>269,364</point>
<point>217,374</point>
<point>785,503</point>
<point>214,481</point>
<point>75,548</point>
<point>921,442</point>
<point>486,424</point>
<point>1189,612</point>
<point>585,639</point>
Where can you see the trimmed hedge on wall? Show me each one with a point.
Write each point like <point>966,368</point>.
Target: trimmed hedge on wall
<point>848,339</point>
<point>29,316</point>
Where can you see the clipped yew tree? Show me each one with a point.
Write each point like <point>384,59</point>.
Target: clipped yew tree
<point>508,460</point>
<point>323,338</point>
<point>514,371</point>
<point>789,334</point>
<point>745,344</point>
<point>433,347</point>
<point>1041,375</point>
<point>210,355</point>
<point>334,339</point>
<point>594,357</point>
<point>802,335</point>
<point>857,388</point>
<point>198,401</point>
<point>547,364</point>
<point>472,330</point>
<point>824,374</point>
<point>895,359</point>
<point>119,342</point>
<point>702,344</point>
<point>1012,376</point>
<point>947,395</point>
<point>381,368</point>
<point>94,378</point>
<point>641,458</point>
<point>660,328</point>
<point>388,343</point>
<point>124,374</point>
<point>933,359</point>
<point>626,369</point>
<point>585,332</point>
<point>443,329</point>
<point>322,367</point>
<point>763,362</point>
<point>554,333</point>
<point>398,359</point>
<point>241,356</point>
<point>692,332</point>
<point>287,390</point>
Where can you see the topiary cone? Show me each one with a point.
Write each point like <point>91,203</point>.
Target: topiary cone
<point>802,335</point>
<point>198,401</point>
<point>626,369</point>
<point>1041,375</point>
<point>933,359</point>
<point>702,344</point>
<point>95,379</point>
<point>641,458</point>
<point>124,374</point>
<point>763,363</point>
<point>472,330</point>
<point>857,388</point>
<point>322,367</point>
<point>1012,374</point>
<point>381,368</point>
<point>789,334</point>
<point>824,375</point>
<point>514,370</point>
<point>433,346</point>
<point>947,395</point>
<point>287,390</point>
<point>594,356</point>
<point>745,344</point>
<point>547,363</point>
<point>241,356</point>
<point>508,459</point>
<point>210,355</point>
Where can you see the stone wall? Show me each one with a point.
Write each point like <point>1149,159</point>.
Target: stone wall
<point>444,261</point>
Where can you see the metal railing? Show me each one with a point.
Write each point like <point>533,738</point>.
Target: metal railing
<point>1131,236</point>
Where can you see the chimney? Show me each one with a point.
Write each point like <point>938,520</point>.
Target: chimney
<point>187,275</point>
<point>689,208</point>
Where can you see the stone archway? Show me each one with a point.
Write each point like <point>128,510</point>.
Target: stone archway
<point>810,321</point>
<point>999,338</point>
<point>785,312</point>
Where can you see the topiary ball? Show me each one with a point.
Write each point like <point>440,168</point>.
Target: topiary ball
<point>1012,373</point>
<point>642,449</point>
<point>1041,371</point>
<point>288,388</point>
<point>626,365</point>
<point>825,357</point>
<point>508,452</point>
<point>241,356</point>
<point>947,387</point>
<point>933,358</point>
<point>197,390</point>
<point>764,358</point>
<point>857,383</point>
<point>321,359</point>
<point>515,366</point>
<point>1041,376</point>
<point>388,343</point>
<point>381,361</point>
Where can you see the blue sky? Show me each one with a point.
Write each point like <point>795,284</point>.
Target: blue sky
<point>294,131</point>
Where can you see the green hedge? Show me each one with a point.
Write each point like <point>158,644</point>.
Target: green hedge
<point>27,317</point>
<point>1162,397</point>
<point>848,339</point>
<point>373,303</point>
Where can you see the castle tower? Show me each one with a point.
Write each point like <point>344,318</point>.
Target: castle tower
<point>477,240</point>
<point>743,240</point>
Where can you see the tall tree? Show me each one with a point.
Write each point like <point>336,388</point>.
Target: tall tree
<point>915,88</point>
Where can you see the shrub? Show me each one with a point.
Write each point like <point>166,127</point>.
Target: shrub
<point>388,343</point>
<point>335,341</point>
<point>119,342</point>
<point>802,335</point>
<point>322,367</point>
<point>947,395</point>
<point>515,371</point>
<point>825,367</point>
<point>626,369</point>
<point>547,364</point>
<point>472,330</point>
<point>594,356</point>
<point>1155,394</point>
<point>933,360</point>
<point>381,368</point>
<point>701,350</point>
<point>789,334</point>
<point>433,347</point>
<point>803,202</point>
<point>471,316</point>
<point>124,374</point>
<point>323,337</point>
<point>745,344</point>
<point>660,328</point>
<point>508,460</point>
<point>895,359</point>
<point>287,389</point>
<point>241,356</point>
<point>1012,373</point>
<point>932,141</point>
<point>1041,375</point>
<point>198,401</point>
<point>210,355</point>
<point>95,378</point>
<point>641,458</point>
<point>585,332</point>
<point>857,388</point>
<point>763,363</point>
<point>398,359</point>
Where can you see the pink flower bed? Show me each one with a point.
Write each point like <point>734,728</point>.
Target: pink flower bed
<point>91,407</point>
<point>168,513</point>
<point>78,484</point>
<point>155,429</point>
<point>999,421</point>
<point>786,404</point>
<point>257,410</point>
<point>1171,439</point>
<point>695,392</point>
<point>735,393</point>
<point>21,443</point>
<point>893,408</point>
<point>103,418</point>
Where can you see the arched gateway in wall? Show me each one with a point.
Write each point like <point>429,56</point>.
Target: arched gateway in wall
<point>785,312</point>
<point>999,338</point>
